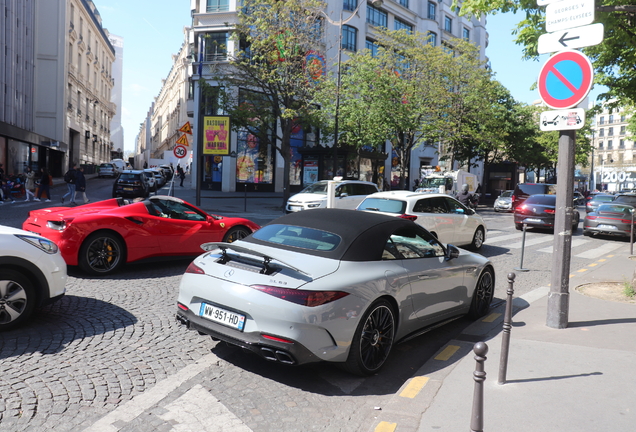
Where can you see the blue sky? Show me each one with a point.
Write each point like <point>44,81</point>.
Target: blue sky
<point>153,32</point>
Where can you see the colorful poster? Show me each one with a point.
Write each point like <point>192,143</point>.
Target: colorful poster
<point>216,135</point>
<point>310,172</point>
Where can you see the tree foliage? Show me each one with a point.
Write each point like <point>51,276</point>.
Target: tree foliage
<point>613,59</point>
<point>271,68</point>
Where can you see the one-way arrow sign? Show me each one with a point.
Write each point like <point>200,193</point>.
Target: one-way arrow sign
<point>572,38</point>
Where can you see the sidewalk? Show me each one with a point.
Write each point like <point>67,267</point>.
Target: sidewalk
<point>582,378</point>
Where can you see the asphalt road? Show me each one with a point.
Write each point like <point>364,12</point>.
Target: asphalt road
<point>112,339</point>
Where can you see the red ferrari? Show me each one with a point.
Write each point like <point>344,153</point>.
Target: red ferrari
<point>102,236</point>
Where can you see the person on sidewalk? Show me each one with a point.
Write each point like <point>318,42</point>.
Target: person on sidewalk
<point>181,174</point>
<point>45,184</point>
<point>70,179</point>
<point>80,185</point>
<point>29,187</point>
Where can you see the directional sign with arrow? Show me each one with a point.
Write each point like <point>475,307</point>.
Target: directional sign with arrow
<point>577,37</point>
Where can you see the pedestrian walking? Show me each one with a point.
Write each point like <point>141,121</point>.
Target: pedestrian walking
<point>44,186</point>
<point>80,185</point>
<point>181,173</point>
<point>29,187</point>
<point>70,179</point>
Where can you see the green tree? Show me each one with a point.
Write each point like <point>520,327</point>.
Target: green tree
<point>613,59</point>
<point>276,91</point>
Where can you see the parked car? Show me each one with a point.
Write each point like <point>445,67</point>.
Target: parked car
<point>32,274</point>
<point>609,219</point>
<point>538,211</point>
<point>168,171</point>
<point>107,170</point>
<point>524,190</point>
<point>131,184</point>
<point>442,215</point>
<point>331,285</point>
<point>349,193</point>
<point>150,178</point>
<point>100,237</point>
<point>160,177</point>
<point>596,201</point>
<point>119,164</point>
<point>504,201</point>
<point>628,199</point>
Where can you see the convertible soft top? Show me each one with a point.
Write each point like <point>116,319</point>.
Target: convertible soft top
<point>363,234</point>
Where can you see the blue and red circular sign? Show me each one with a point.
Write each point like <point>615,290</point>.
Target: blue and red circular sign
<point>565,79</point>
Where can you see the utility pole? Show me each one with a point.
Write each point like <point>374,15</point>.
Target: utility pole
<point>559,297</point>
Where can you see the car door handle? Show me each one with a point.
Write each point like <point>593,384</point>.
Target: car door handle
<point>425,277</point>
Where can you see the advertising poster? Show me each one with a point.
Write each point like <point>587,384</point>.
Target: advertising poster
<point>216,135</point>
<point>310,172</point>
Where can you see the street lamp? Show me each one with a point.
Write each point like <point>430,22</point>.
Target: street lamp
<point>339,24</point>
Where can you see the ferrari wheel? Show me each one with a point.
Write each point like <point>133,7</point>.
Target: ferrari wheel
<point>101,253</point>
<point>478,239</point>
<point>17,298</point>
<point>373,340</point>
<point>235,234</point>
<point>483,295</point>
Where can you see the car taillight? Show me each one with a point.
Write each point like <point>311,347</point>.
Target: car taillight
<point>193,268</point>
<point>301,297</point>
<point>626,221</point>
<point>549,211</point>
<point>521,209</point>
<point>592,217</point>
<point>409,217</point>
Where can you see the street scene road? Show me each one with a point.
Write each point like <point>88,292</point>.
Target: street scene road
<point>111,356</point>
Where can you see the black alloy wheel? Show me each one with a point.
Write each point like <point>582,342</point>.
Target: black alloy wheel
<point>236,233</point>
<point>483,295</point>
<point>101,253</point>
<point>373,339</point>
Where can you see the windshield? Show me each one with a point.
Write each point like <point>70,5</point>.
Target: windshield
<point>300,237</point>
<point>383,205</point>
<point>317,188</point>
<point>506,194</point>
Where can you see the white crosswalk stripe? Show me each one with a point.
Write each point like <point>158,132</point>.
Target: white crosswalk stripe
<point>575,243</point>
<point>599,251</point>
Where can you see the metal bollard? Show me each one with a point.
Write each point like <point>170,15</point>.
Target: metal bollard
<point>477,421</point>
<point>507,326</point>
<point>523,248</point>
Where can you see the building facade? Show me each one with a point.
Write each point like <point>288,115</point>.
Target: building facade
<point>613,160</point>
<point>55,109</point>
<point>250,167</point>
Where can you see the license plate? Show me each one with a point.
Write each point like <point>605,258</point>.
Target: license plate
<point>222,316</point>
<point>128,189</point>
<point>533,220</point>
<point>609,227</point>
<point>295,208</point>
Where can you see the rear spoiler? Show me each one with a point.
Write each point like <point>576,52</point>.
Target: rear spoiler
<point>240,249</point>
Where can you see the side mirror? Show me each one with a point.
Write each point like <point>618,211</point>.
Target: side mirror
<point>344,195</point>
<point>451,252</point>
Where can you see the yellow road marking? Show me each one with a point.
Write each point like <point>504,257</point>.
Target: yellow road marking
<point>570,276</point>
<point>447,352</point>
<point>602,260</point>
<point>610,256</point>
<point>491,317</point>
<point>414,387</point>
<point>593,265</point>
<point>582,270</point>
<point>385,427</point>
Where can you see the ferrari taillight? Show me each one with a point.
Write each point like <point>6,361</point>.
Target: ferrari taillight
<point>193,268</point>
<point>301,297</point>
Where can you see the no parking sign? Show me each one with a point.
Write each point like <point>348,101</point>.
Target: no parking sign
<point>565,79</point>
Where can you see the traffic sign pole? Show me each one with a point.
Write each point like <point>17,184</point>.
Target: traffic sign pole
<point>559,296</point>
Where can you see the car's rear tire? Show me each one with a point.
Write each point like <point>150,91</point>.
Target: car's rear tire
<point>102,253</point>
<point>518,226</point>
<point>478,239</point>
<point>483,294</point>
<point>372,340</point>
<point>236,233</point>
<point>17,298</point>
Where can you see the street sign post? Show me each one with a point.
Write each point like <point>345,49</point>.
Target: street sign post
<point>565,79</point>
<point>578,37</point>
<point>571,119</point>
<point>568,14</point>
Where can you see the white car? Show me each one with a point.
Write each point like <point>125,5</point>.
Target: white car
<point>442,215</point>
<point>152,180</point>
<point>349,193</point>
<point>32,274</point>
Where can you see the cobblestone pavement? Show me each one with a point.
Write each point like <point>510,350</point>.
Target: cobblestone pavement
<point>110,342</point>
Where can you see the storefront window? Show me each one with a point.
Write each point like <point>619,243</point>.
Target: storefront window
<point>18,157</point>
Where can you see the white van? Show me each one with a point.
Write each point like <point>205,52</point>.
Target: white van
<point>349,193</point>
<point>119,164</point>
